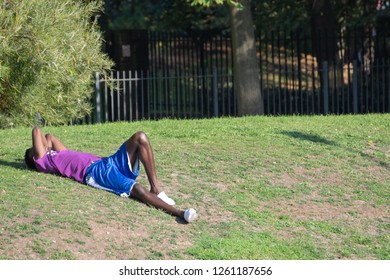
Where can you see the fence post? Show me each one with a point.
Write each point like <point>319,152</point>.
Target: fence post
<point>355,87</point>
<point>388,82</point>
<point>97,96</point>
<point>326,88</point>
<point>215,91</point>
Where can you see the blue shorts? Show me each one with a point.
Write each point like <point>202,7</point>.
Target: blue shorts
<point>114,174</point>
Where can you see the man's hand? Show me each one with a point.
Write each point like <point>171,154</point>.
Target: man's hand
<point>54,143</point>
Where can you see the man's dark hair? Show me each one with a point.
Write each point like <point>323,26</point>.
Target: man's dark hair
<point>29,160</point>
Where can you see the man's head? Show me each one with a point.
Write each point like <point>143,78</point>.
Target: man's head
<point>28,158</point>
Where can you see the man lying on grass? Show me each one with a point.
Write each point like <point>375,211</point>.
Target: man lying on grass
<point>116,173</point>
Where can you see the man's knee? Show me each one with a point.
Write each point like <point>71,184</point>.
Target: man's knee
<point>138,191</point>
<point>142,138</point>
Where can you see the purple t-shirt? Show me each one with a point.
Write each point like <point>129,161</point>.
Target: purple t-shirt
<point>67,163</point>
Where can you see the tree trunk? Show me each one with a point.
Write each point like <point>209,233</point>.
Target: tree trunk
<point>324,31</point>
<point>246,65</point>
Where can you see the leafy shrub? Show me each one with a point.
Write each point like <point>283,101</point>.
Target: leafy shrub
<point>49,51</point>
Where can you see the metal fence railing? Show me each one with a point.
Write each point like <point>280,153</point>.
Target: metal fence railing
<point>136,95</point>
<point>332,73</point>
<point>190,76</point>
<point>332,89</point>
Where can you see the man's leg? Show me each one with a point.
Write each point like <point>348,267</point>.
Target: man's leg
<point>139,146</point>
<point>151,199</point>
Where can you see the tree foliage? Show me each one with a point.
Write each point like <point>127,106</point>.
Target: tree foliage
<point>208,3</point>
<point>289,15</point>
<point>162,15</point>
<point>48,53</point>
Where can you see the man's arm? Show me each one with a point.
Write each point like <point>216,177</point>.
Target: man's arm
<point>42,144</point>
<point>39,143</point>
<point>54,143</point>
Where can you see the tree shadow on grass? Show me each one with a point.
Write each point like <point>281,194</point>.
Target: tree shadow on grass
<point>321,140</point>
<point>309,137</point>
<point>17,164</point>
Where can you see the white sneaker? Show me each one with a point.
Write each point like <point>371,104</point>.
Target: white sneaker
<point>166,199</point>
<point>190,215</point>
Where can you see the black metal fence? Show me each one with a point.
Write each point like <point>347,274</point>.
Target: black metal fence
<point>190,76</point>
<point>135,95</point>
<point>324,73</point>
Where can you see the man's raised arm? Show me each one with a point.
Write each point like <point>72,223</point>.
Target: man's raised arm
<point>39,143</point>
<point>54,143</point>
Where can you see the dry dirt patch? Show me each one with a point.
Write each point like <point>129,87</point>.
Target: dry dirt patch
<point>307,210</point>
<point>314,177</point>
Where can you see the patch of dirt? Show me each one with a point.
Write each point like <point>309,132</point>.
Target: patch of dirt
<point>310,210</point>
<point>104,240</point>
<point>314,176</point>
<point>285,179</point>
<point>144,236</point>
<point>213,213</point>
<point>356,215</point>
<point>208,207</point>
<point>372,151</point>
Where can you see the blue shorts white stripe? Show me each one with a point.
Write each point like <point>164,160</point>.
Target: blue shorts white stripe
<point>114,174</point>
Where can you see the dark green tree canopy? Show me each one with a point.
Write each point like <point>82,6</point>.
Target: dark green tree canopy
<point>164,15</point>
<point>167,15</point>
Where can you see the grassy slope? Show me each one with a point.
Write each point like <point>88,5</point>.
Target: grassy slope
<point>265,188</point>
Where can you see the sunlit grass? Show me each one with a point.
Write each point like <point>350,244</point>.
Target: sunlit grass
<point>264,187</point>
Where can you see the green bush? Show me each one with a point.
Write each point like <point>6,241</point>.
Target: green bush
<point>49,51</point>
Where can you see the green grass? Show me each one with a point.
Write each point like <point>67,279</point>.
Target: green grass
<point>265,188</point>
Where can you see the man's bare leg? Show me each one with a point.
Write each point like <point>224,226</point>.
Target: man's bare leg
<point>151,199</point>
<point>139,146</point>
